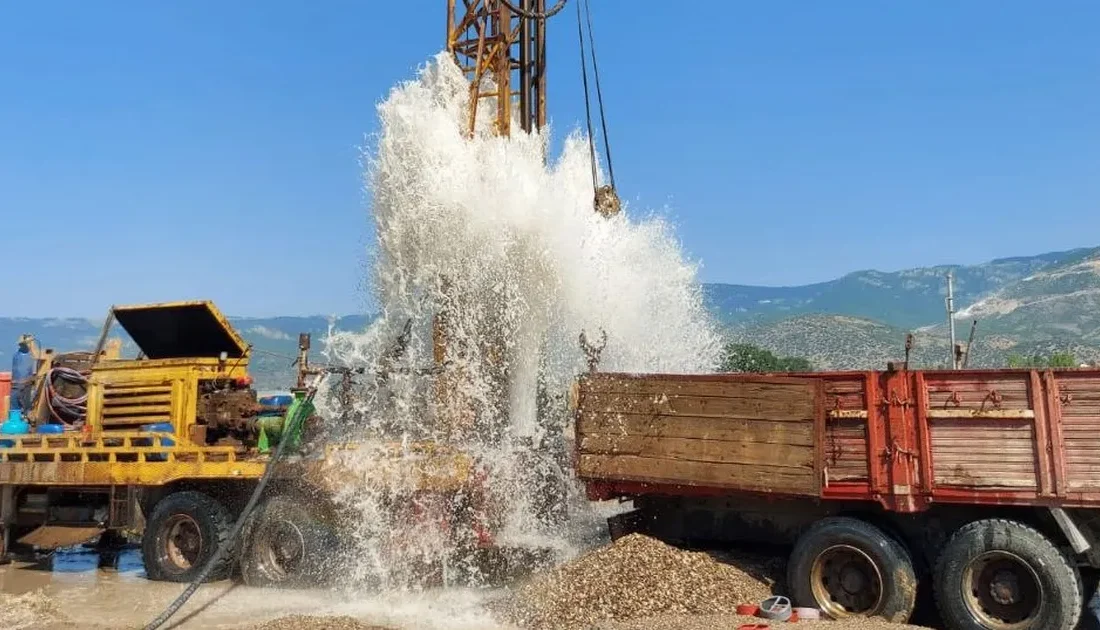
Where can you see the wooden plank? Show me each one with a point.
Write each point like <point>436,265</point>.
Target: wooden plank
<point>848,413</point>
<point>795,396</point>
<point>851,385</point>
<point>924,433</point>
<point>1042,445</point>
<point>1007,414</point>
<point>962,447</point>
<point>980,428</point>
<point>779,408</point>
<point>723,429</point>
<point>718,377</point>
<point>732,476</point>
<point>983,458</point>
<point>817,419</point>
<point>983,482</point>
<point>700,450</point>
<point>876,438</point>
<point>1054,421</point>
<point>1016,383</point>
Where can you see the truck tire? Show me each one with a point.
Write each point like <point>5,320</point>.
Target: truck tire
<point>997,573</point>
<point>284,544</point>
<point>182,535</point>
<point>849,568</point>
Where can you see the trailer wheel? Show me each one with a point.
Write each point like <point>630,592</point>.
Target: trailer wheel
<point>283,544</point>
<point>849,568</point>
<point>183,533</point>
<point>997,575</point>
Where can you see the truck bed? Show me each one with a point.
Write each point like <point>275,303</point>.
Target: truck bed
<point>905,439</point>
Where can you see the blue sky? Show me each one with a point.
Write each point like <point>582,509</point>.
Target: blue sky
<point>166,150</point>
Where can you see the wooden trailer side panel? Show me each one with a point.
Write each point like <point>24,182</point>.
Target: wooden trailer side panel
<point>846,429</point>
<point>982,430</point>
<point>1074,402</point>
<point>734,432</point>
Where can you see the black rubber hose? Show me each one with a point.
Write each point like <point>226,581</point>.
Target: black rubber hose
<point>174,607</point>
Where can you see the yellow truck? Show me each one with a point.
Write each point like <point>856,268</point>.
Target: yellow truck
<point>170,444</point>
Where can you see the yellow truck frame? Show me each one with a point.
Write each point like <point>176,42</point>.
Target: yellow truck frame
<point>180,494</point>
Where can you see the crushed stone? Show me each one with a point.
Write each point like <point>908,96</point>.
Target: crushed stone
<point>640,583</point>
<point>638,577</point>
<point>709,622</point>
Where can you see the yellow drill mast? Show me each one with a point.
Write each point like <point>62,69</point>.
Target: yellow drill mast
<point>506,40</point>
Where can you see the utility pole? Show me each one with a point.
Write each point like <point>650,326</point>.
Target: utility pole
<point>951,318</point>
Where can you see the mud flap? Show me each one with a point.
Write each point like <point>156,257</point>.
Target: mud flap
<point>626,523</point>
<point>58,536</point>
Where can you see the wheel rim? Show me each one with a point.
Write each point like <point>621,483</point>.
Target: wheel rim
<point>1002,591</point>
<point>182,543</point>
<point>281,548</point>
<point>846,582</point>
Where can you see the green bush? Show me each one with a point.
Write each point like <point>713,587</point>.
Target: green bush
<point>744,357</point>
<point>1038,361</point>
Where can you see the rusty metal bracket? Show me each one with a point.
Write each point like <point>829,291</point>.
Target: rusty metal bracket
<point>894,451</point>
<point>896,401</point>
<point>592,351</point>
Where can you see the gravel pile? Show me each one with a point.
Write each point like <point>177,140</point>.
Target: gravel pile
<point>303,622</point>
<point>709,622</point>
<point>638,577</point>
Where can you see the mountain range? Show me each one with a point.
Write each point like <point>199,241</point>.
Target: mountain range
<point>1023,305</point>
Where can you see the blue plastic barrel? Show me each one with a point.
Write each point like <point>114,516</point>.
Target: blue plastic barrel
<point>159,427</point>
<point>278,400</point>
<point>51,428</point>
<point>14,425</point>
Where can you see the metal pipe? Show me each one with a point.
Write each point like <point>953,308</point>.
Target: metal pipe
<point>969,343</point>
<point>951,318</point>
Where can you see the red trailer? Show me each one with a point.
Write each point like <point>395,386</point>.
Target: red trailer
<point>983,484</point>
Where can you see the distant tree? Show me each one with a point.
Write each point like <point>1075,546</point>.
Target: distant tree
<point>1038,361</point>
<point>744,357</point>
<point>1062,360</point>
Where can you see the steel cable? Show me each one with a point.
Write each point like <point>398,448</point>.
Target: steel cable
<point>587,104</point>
<point>64,408</point>
<point>599,92</point>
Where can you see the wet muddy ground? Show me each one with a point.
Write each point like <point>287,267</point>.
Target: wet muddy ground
<point>78,589</point>
<point>70,590</point>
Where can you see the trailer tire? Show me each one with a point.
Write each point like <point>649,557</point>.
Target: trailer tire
<point>284,544</point>
<point>1028,582</point>
<point>184,532</point>
<point>849,568</point>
